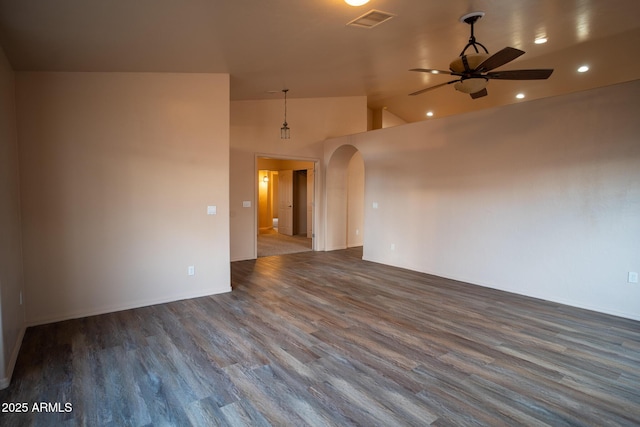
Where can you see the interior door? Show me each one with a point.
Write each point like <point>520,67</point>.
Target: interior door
<point>285,202</point>
<point>310,188</point>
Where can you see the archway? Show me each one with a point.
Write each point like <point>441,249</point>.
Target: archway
<point>345,199</point>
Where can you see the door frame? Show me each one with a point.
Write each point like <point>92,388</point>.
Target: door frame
<point>315,243</point>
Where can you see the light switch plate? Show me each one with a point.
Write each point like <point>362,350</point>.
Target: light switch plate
<point>211,210</point>
<point>246,204</point>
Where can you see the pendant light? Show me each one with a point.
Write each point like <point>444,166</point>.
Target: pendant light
<point>285,132</point>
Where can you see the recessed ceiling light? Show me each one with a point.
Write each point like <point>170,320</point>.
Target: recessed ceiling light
<point>429,113</point>
<point>583,69</point>
<point>540,40</point>
<point>356,2</point>
<point>520,96</point>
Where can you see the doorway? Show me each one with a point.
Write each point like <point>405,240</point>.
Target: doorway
<point>285,209</point>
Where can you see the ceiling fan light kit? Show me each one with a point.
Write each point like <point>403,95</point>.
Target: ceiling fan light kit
<point>474,70</point>
<point>471,85</point>
<point>356,2</point>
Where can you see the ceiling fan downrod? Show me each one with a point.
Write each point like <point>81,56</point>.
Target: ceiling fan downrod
<point>471,18</point>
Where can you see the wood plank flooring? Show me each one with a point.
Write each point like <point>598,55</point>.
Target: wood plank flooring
<point>272,243</point>
<point>326,339</point>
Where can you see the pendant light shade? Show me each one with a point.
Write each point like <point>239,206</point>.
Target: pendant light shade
<point>285,132</point>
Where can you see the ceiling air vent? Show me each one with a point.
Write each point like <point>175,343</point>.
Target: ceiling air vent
<point>371,19</point>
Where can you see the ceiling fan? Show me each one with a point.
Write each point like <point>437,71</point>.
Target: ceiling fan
<point>475,69</point>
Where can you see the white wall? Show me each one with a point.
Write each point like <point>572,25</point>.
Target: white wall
<point>12,319</point>
<point>540,198</point>
<point>255,129</point>
<point>117,170</point>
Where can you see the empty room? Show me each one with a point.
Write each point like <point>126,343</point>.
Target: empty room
<point>463,176</point>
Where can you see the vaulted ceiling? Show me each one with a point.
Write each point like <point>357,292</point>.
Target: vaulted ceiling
<point>307,47</point>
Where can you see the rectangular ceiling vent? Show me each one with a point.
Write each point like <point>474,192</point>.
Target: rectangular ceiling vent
<point>371,19</point>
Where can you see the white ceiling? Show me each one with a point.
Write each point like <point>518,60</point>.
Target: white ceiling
<point>305,45</point>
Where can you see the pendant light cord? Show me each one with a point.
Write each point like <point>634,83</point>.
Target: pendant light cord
<point>285,105</point>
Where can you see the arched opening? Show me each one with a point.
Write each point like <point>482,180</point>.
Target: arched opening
<point>345,199</point>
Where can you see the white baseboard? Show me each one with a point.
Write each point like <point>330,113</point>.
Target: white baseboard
<point>243,259</point>
<point>120,307</point>
<point>543,297</point>
<point>6,381</point>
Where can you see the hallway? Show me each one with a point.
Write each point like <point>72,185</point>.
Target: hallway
<point>273,243</point>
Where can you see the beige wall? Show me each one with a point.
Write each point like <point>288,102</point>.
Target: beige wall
<point>540,198</point>
<point>390,120</point>
<point>12,319</point>
<point>255,130</point>
<point>355,201</point>
<point>117,171</point>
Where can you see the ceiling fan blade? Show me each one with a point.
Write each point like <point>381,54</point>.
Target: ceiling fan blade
<point>432,87</point>
<point>432,71</point>
<point>539,74</point>
<point>479,94</point>
<point>499,58</point>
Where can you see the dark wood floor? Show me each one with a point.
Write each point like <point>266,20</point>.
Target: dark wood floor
<point>327,339</point>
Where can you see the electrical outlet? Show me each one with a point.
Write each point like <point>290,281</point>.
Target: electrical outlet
<point>633,277</point>
<point>191,270</point>
<point>393,246</point>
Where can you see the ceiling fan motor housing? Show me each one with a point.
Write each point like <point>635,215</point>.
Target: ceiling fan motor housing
<point>473,60</point>
<point>466,64</point>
